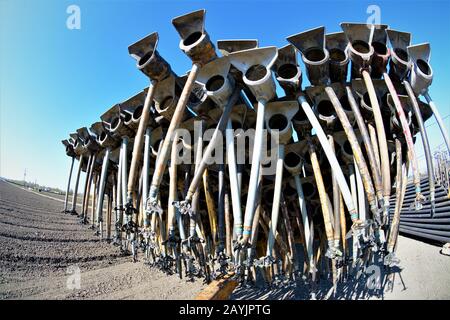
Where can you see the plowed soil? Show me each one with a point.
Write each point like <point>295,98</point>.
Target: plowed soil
<point>40,248</point>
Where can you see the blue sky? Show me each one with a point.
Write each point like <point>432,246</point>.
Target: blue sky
<point>54,80</point>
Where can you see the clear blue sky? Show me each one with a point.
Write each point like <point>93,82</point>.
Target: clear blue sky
<point>54,80</point>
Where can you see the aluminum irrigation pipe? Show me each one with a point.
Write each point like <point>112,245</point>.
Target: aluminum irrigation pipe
<point>210,249</point>
<point>119,204</point>
<point>171,210</point>
<point>326,146</point>
<point>145,169</point>
<point>68,185</point>
<point>255,65</point>
<point>73,210</point>
<point>220,87</point>
<point>196,44</point>
<point>376,174</point>
<point>357,152</point>
<point>88,189</point>
<point>157,69</point>
<point>278,122</point>
<point>421,76</point>
<point>92,148</point>
<point>361,52</point>
<point>101,190</point>
<point>379,63</point>
<point>71,153</point>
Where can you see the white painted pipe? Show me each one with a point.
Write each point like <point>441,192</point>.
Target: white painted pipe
<point>234,185</point>
<point>254,172</point>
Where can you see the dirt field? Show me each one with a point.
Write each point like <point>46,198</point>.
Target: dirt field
<point>39,247</point>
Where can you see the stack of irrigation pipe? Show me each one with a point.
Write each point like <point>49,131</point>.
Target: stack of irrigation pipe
<point>216,173</point>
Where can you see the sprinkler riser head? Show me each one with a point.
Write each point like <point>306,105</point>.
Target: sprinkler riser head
<point>154,67</point>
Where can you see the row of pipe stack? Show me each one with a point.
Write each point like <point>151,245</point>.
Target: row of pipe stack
<point>168,181</point>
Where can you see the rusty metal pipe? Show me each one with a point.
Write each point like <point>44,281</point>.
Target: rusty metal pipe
<point>376,174</point>
<point>139,143</point>
<point>311,44</point>
<point>331,158</point>
<point>361,195</point>
<point>161,161</point>
<point>357,152</point>
<point>336,203</point>
<point>408,137</point>
<point>361,52</point>
<point>196,44</point>
<point>382,141</point>
<point>332,252</point>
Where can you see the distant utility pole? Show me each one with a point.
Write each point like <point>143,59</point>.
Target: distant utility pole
<point>25,177</point>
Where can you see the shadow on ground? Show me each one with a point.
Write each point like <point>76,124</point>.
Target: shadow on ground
<point>370,281</point>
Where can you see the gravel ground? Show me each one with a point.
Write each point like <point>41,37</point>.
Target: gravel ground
<point>40,247</point>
